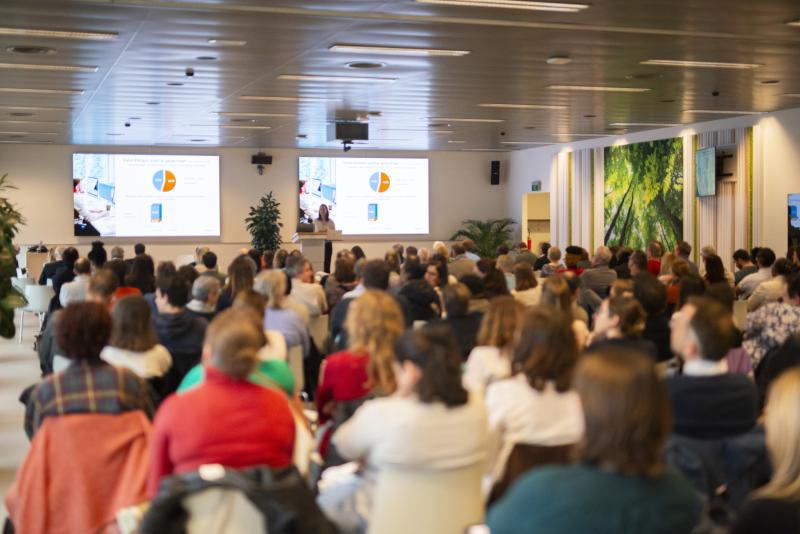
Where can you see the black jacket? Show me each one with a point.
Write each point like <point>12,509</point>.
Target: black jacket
<point>465,330</point>
<point>49,271</point>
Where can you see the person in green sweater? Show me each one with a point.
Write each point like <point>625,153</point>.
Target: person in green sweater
<point>620,484</point>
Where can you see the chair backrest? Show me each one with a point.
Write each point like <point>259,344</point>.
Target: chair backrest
<point>739,314</point>
<point>318,329</point>
<point>38,297</point>
<point>296,364</point>
<point>425,500</point>
<point>524,457</point>
<point>19,282</point>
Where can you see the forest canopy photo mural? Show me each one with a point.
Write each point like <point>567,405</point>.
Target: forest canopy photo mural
<point>643,194</point>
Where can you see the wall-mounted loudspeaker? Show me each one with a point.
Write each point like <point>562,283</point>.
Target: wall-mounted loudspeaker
<point>495,175</point>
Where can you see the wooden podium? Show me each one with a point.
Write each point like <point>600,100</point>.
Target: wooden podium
<point>312,245</point>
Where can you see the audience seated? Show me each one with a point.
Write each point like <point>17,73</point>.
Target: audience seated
<point>620,483</point>
<point>375,275</point>
<point>88,385</point>
<point>622,257</point>
<point>619,325</point>
<point>456,316</point>
<point>652,295</point>
<point>460,264</point>
<point>305,291</point>
<point>471,250</point>
<point>117,267</point>
<point>271,284</point>
<point>526,290</point>
<point>65,274</point>
<point>744,265</point>
<point>524,255</point>
<point>773,508</point>
<point>769,326</point>
<point>429,429</point>
<point>554,264</point>
<point>205,294</point>
<point>141,274</point>
<point>707,401</point>
<point>556,294</point>
<point>600,276</point>
<point>655,251</point>
<point>50,268</point>
<point>75,290</point>
<point>133,343</point>
<point>534,416</point>
<point>773,289</point>
<point>436,272</point>
<point>342,281</point>
<point>241,273</point>
<point>543,258</point>
<point>211,268</point>
<point>97,256</point>
<point>637,264</point>
<point>684,250</point>
<point>226,420</point>
<point>490,360</point>
<point>764,261</point>
<point>505,264</point>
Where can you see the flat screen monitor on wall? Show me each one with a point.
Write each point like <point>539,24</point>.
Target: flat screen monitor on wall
<point>706,172</point>
<point>366,196</point>
<point>145,195</point>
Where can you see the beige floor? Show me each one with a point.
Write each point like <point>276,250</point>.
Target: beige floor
<point>19,367</point>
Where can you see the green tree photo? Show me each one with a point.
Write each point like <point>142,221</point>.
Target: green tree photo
<point>643,193</point>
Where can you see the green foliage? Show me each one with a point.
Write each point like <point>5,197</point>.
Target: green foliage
<point>10,297</point>
<point>644,193</point>
<point>488,235</point>
<point>264,223</point>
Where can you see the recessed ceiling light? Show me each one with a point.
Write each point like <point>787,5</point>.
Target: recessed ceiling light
<point>454,142</point>
<point>175,84</point>
<point>197,140</point>
<point>512,4</point>
<point>483,150</point>
<point>301,136</point>
<point>365,65</point>
<point>226,42</point>
<point>252,114</point>
<point>58,68</point>
<point>152,103</point>
<point>134,118</point>
<point>29,133</point>
<point>521,106</point>
<point>559,60</point>
<point>21,114</point>
<point>114,134</point>
<point>721,112</point>
<point>416,130</point>
<point>343,79</point>
<point>395,50</point>
<point>36,91</point>
<point>699,64</point>
<point>243,127</point>
<point>206,58</point>
<point>667,101</point>
<point>590,116</point>
<point>525,143</point>
<point>467,120</point>
<point>795,23</point>
<point>529,127</point>
<point>770,82</point>
<point>35,108</point>
<point>55,34</point>
<point>599,88</point>
<point>243,120</point>
<point>644,124</point>
<point>287,98</point>
<point>31,50</point>
<point>577,135</point>
<point>438,125</point>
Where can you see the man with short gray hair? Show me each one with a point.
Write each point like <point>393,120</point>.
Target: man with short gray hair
<point>117,253</point>
<point>600,277</point>
<point>205,293</point>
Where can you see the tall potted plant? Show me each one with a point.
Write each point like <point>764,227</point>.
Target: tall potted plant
<point>264,223</point>
<point>488,235</point>
<point>10,297</point>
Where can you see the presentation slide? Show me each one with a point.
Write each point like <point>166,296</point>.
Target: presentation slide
<point>136,195</point>
<point>366,195</point>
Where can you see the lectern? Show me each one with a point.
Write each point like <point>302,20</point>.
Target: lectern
<point>312,245</point>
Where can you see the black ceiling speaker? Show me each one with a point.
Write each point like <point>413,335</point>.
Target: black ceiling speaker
<point>495,174</point>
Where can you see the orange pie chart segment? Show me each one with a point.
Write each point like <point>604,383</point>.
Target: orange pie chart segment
<point>379,182</point>
<point>169,181</point>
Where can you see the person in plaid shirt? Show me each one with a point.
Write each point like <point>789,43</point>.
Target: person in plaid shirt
<point>88,385</point>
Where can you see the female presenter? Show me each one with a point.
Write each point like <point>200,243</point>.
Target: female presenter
<point>323,223</point>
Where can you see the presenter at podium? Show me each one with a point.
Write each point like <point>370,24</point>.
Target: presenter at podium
<point>323,223</point>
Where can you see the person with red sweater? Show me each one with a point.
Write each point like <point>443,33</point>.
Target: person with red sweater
<point>655,251</point>
<point>227,420</point>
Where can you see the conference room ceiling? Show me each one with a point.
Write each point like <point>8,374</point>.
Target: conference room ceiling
<point>416,102</point>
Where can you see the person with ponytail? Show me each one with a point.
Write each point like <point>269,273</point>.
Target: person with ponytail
<point>428,425</point>
<point>620,322</point>
<point>227,420</point>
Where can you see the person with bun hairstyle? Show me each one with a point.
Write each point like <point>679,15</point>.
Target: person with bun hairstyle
<point>227,420</point>
<point>620,322</point>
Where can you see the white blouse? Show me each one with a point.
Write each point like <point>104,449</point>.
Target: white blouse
<point>147,364</point>
<point>485,365</point>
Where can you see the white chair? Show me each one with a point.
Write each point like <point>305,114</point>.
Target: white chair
<point>19,282</point>
<point>296,365</point>
<point>740,314</point>
<point>444,501</point>
<point>38,298</point>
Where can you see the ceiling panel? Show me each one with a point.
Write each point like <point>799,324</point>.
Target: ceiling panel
<point>140,93</point>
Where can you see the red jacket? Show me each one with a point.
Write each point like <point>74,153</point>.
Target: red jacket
<point>80,470</point>
<point>224,421</point>
<point>344,378</point>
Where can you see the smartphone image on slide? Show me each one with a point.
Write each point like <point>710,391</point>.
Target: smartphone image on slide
<point>155,213</point>
<point>372,212</point>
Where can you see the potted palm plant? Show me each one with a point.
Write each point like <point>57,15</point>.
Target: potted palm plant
<point>264,223</point>
<point>10,297</point>
<point>488,235</point>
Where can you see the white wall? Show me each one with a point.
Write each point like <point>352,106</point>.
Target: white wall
<point>459,189</point>
<point>780,145</point>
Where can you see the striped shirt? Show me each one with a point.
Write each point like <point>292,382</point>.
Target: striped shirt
<point>87,388</point>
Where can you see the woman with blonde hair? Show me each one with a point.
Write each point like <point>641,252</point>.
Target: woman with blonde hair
<point>227,420</point>
<point>272,285</point>
<point>349,377</point>
<point>774,508</point>
<point>556,293</point>
<point>490,360</point>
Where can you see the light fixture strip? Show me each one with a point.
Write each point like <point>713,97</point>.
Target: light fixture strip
<point>57,34</point>
<point>522,106</point>
<point>558,7</point>
<point>444,119</point>
<point>259,98</point>
<point>525,143</point>
<point>29,133</point>
<point>599,88</point>
<point>396,50</point>
<point>241,127</point>
<point>32,90</point>
<point>248,114</point>
<point>227,42</point>
<point>34,108</point>
<point>49,123</point>
<point>699,64</point>
<point>644,124</point>
<point>343,79</point>
<point>721,112</point>
<point>54,68</point>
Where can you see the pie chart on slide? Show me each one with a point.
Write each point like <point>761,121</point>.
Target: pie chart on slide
<point>164,180</point>
<point>379,182</point>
